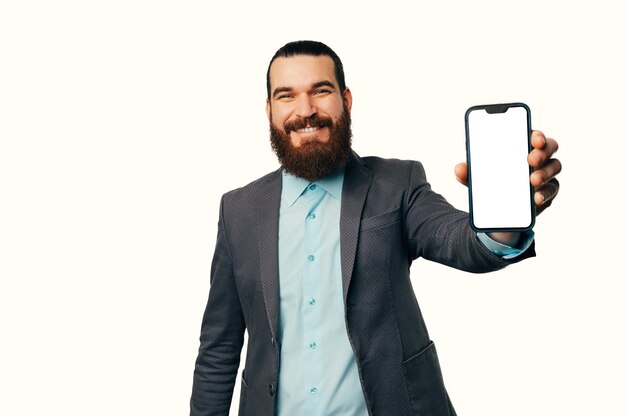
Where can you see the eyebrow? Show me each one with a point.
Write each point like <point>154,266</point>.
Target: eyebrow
<point>324,84</point>
<point>318,84</point>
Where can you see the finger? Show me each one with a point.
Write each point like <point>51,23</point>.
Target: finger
<point>537,139</point>
<point>540,208</point>
<point>538,156</point>
<point>460,171</point>
<point>547,172</point>
<point>551,146</point>
<point>546,194</point>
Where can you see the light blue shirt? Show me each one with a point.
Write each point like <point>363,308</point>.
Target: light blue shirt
<point>318,373</point>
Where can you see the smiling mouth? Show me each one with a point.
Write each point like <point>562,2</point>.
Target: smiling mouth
<point>308,129</point>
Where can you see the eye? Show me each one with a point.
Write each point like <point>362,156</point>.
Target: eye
<point>321,91</point>
<point>284,96</point>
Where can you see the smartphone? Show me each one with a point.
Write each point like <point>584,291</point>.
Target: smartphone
<point>497,142</point>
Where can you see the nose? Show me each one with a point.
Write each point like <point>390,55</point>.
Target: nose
<point>304,106</point>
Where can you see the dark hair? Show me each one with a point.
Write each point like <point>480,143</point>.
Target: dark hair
<point>312,48</point>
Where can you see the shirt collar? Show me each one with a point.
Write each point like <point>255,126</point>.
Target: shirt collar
<point>294,186</point>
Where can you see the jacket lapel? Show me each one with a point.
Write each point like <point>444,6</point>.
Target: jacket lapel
<point>268,209</point>
<point>355,186</point>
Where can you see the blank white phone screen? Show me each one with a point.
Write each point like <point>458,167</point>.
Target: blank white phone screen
<point>498,150</point>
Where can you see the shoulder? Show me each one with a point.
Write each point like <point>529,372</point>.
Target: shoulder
<point>250,192</point>
<point>378,163</point>
<point>396,170</point>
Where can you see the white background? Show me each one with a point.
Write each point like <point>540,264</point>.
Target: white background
<point>122,123</point>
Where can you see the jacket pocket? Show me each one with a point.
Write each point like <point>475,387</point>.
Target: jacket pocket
<point>427,392</point>
<point>380,220</point>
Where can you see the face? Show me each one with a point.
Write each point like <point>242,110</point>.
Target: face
<point>302,86</point>
<point>309,116</point>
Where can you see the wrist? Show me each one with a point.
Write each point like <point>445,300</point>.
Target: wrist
<point>510,239</point>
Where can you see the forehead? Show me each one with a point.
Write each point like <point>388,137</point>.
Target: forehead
<point>301,71</point>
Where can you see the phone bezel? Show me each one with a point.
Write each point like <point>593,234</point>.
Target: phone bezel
<point>497,108</point>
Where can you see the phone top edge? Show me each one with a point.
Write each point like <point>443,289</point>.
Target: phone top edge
<point>487,106</point>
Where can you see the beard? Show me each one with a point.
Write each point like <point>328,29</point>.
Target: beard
<point>314,160</point>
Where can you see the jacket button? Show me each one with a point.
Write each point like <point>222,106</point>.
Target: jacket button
<point>272,389</point>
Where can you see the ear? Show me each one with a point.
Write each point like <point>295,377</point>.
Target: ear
<point>347,98</point>
<point>268,110</point>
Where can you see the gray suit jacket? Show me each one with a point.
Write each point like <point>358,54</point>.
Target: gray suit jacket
<point>389,217</point>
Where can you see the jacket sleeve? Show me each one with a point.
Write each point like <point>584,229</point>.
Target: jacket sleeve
<point>221,337</point>
<point>439,232</point>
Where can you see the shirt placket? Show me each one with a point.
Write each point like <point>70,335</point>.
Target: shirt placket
<point>312,316</point>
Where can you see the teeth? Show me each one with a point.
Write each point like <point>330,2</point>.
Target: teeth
<point>308,129</point>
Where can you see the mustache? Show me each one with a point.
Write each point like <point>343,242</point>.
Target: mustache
<point>313,121</point>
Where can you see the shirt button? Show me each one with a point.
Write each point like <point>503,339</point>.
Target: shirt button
<point>313,187</point>
<point>311,257</point>
<point>312,301</point>
<point>312,216</point>
<point>272,390</point>
<point>314,390</point>
<point>312,345</point>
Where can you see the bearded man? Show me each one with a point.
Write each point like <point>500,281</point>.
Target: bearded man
<point>313,260</point>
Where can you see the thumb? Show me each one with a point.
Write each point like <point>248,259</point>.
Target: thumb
<point>460,171</point>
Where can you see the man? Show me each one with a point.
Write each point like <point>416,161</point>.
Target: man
<point>313,260</point>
